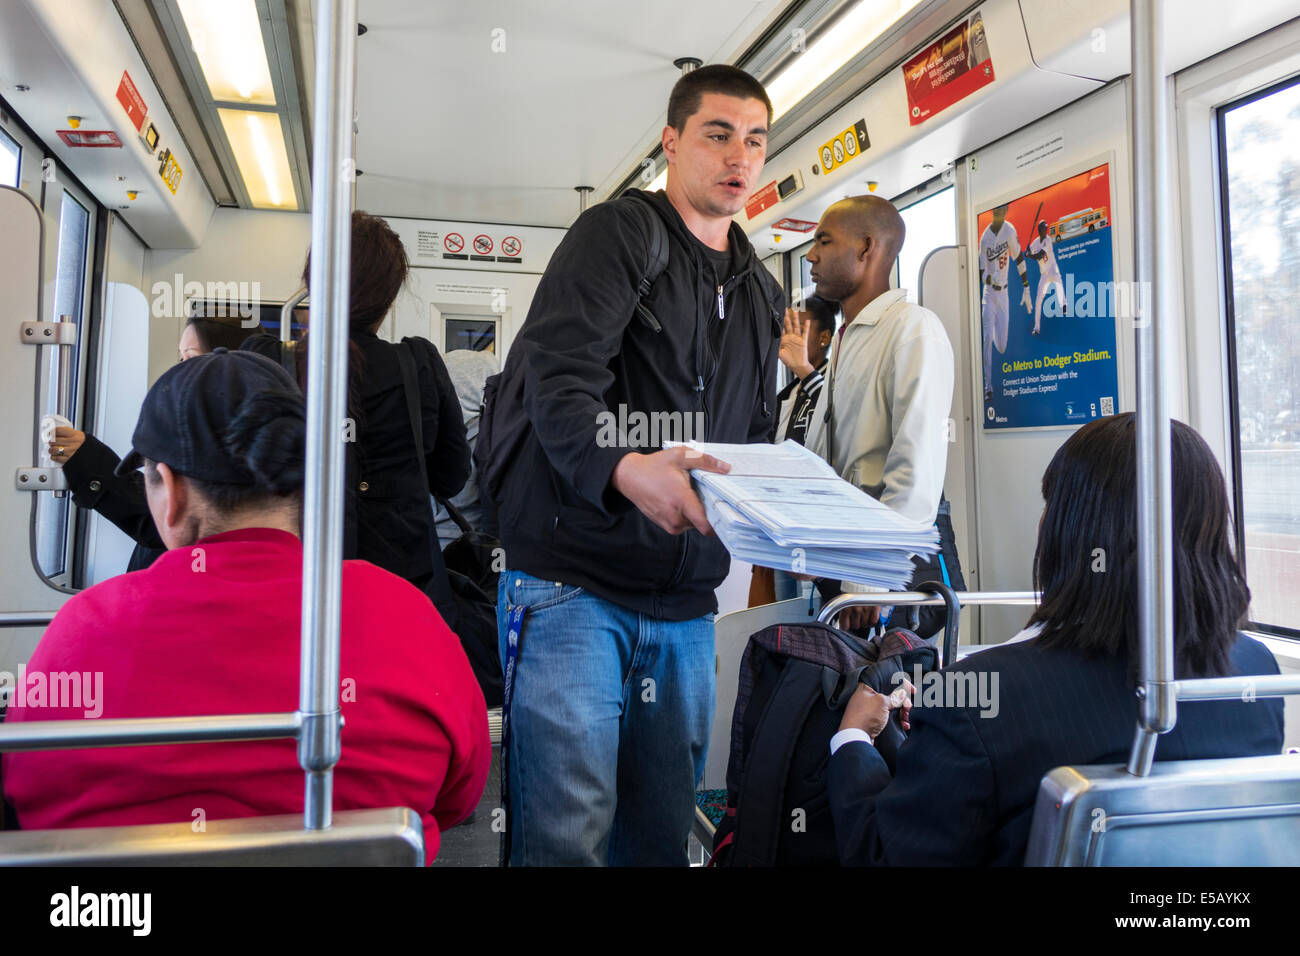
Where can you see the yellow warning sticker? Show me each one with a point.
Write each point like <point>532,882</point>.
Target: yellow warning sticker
<point>170,171</point>
<point>844,147</point>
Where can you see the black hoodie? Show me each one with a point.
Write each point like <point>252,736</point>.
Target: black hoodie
<point>584,369</point>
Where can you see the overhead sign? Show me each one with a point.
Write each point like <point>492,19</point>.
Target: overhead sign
<point>89,138</point>
<point>131,101</point>
<point>847,145</point>
<point>511,247</point>
<point>795,225</point>
<point>482,244</point>
<point>948,70</point>
<point>765,198</point>
<point>453,242</point>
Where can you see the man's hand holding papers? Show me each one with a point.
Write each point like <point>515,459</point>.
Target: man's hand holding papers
<point>659,485</point>
<point>781,506</point>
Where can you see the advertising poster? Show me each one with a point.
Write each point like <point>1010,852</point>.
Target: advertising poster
<point>949,69</point>
<point>1049,343</point>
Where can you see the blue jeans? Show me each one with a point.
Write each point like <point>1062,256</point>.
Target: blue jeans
<point>609,725</point>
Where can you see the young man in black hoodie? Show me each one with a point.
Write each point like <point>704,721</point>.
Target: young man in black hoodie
<point>608,597</point>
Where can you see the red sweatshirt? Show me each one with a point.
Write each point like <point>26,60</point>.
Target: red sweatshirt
<point>214,629</point>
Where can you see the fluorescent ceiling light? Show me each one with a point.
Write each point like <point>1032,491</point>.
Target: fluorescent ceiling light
<point>257,141</point>
<point>843,41</point>
<point>227,39</point>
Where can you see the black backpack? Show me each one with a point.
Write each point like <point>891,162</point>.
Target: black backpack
<point>794,682</point>
<point>499,441</point>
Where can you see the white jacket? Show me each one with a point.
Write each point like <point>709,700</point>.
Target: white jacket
<point>891,379</point>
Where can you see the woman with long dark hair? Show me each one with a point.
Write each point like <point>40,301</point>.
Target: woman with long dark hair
<point>1062,692</point>
<point>389,511</point>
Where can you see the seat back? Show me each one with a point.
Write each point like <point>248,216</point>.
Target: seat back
<point>389,837</point>
<point>730,636</point>
<point>1231,812</point>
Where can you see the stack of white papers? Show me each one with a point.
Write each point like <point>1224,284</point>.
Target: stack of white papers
<point>783,507</point>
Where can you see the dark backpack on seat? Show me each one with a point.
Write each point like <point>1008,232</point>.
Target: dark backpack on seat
<point>794,682</point>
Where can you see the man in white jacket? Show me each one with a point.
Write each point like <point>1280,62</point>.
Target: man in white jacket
<point>882,422</point>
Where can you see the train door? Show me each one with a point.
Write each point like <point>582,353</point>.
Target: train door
<point>46,270</point>
<point>70,217</point>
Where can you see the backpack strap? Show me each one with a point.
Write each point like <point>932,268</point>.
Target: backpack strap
<point>410,385</point>
<point>656,262</point>
<point>760,809</point>
<point>952,620</point>
<point>456,516</point>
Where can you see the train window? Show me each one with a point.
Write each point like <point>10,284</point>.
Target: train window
<point>10,157</point>
<point>1260,182</point>
<point>470,332</point>
<point>931,222</point>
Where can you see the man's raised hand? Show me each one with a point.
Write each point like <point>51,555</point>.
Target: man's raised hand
<point>794,345</point>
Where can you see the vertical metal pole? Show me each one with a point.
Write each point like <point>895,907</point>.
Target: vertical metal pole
<point>584,197</point>
<point>327,383</point>
<point>1157,694</point>
<point>63,403</point>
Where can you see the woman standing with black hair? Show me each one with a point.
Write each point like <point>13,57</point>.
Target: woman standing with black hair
<point>389,517</point>
<point>1062,692</point>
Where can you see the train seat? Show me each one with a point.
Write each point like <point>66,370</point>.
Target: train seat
<point>730,637</point>
<point>1229,812</point>
<point>387,837</point>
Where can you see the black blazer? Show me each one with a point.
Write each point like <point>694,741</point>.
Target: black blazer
<point>389,515</point>
<point>965,786</point>
<point>91,479</point>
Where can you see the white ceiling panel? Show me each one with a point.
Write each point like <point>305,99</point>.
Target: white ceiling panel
<point>495,111</point>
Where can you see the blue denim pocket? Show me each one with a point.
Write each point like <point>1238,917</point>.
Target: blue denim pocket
<point>536,594</point>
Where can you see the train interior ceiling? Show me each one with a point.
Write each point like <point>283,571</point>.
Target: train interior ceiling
<point>169,173</point>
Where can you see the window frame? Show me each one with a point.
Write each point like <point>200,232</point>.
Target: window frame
<point>1233,409</point>
<point>946,179</point>
<point>19,147</point>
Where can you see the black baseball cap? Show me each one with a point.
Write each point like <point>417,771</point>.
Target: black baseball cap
<point>186,415</point>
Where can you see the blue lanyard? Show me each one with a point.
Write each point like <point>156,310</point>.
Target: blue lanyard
<point>515,629</point>
<point>508,681</point>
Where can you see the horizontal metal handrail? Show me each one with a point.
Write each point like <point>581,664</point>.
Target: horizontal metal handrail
<point>892,598</point>
<point>1237,688</point>
<point>134,731</point>
<point>26,618</point>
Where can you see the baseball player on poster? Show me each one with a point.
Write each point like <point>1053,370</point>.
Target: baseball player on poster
<point>1049,273</point>
<point>998,246</point>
